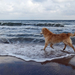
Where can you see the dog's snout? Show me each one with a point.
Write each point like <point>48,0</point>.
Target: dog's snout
<point>41,33</point>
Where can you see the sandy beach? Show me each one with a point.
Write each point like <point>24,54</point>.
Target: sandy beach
<point>14,66</point>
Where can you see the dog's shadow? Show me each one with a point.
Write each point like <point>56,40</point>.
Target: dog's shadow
<point>67,52</point>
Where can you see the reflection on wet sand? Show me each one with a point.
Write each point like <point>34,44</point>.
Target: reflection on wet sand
<point>67,61</point>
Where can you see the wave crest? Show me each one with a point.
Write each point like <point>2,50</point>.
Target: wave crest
<point>38,24</point>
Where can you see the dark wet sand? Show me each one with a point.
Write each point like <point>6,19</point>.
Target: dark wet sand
<point>14,66</point>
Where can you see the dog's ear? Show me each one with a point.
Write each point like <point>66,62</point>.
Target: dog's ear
<point>43,30</point>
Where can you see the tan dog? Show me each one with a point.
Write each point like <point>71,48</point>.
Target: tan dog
<point>56,38</point>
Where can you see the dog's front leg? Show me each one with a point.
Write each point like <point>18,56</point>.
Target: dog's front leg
<point>64,47</point>
<point>46,44</point>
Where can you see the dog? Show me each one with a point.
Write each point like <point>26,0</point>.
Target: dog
<point>51,38</point>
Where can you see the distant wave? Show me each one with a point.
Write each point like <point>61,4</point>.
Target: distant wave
<point>39,24</point>
<point>49,24</point>
<point>11,24</point>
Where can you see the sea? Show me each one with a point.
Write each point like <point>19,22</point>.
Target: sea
<point>22,39</point>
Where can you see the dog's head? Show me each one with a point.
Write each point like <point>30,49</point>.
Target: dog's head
<point>44,31</point>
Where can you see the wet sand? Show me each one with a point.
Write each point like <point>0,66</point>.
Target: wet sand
<point>14,66</point>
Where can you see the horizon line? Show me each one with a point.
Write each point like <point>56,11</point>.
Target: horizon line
<point>23,19</point>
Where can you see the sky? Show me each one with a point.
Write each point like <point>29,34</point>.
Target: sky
<point>37,9</point>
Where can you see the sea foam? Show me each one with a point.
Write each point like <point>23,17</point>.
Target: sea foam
<point>33,52</point>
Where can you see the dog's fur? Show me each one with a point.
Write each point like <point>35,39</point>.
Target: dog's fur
<point>56,38</point>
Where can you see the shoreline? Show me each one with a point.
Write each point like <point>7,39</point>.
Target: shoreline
<point>15,66</point>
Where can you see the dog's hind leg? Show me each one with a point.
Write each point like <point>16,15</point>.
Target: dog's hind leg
<point>69,43</point>
<point>64,47</point>
<point>71,46</point>
<point>51,45</point>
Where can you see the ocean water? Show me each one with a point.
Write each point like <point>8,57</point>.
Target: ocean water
<point>22,39</point>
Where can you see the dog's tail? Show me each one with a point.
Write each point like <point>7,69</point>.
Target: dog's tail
<point>72,35</point>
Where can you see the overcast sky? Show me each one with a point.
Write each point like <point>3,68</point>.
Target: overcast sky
<point>37,9</point>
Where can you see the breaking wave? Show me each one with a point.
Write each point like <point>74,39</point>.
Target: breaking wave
<point>22,40</point>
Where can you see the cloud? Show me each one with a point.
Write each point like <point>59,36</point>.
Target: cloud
<point>60,1</point>
<point>38,0</point>
<point>37,9</point>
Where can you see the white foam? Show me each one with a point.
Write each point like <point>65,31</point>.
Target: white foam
<point>33,52</point>
<point>69,25</point>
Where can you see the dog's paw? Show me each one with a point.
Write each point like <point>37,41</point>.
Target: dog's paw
<point>74,52</point>
<point>43,49</point>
